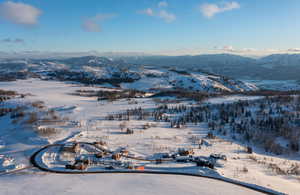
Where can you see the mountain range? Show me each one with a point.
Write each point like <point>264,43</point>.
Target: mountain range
<point>119,73</point>
<point>211,73</point>
<point>272,67</point>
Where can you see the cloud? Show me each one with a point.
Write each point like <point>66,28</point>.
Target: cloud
<point>9,40</point>
<point>209,9</point>
<point>163,4</point>
<point>166,16</point>
<point>92,24</point>
<point>294,50</point>
<point>19,13</point>
<point>230,48</point>
<point>159,13</point>
<point>227,48</point>
<point>255,52</point>
<point>147,11</point>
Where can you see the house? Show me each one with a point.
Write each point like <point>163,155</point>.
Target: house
<point>185,152</point>
<point>71,148</point>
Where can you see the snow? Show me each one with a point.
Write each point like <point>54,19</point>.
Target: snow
<point>89,113</point>
<point>231,99</point>
<point>111,184</point>
<point>131,76</point>
<point>147,83</point>
<point>166,79</point>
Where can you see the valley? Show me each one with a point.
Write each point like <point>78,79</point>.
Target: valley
<point>64,116</point>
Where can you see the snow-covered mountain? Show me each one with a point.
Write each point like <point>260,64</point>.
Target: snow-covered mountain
<point>126,70</point>
<point>198,60</point>
<point>273,67</point>
<point>87,60</point>
<point>281,60</point>
<point>99,70</point>
<point>152,79</point>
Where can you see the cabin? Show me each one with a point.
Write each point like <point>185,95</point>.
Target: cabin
<point>116,156</point>
<point>100,143</point>
<point>124,152</point>
<point>185,152</point>
<point>133,167</point>
<point>79,165</point>
<point>183,159</point>
<point>100,155</point>
<point>129,131</point>
<point>218,156</point>
<point>204,163</point>
<point>140,168</point>
<point>71,148</point>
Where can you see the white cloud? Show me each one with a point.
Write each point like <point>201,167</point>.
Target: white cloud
<point>294,50</point>
<point>19,13</point>
<point>230,48</point>
<point>147,11</point>
<point>92,24</point>
<point>163,4</point>
<point>166,16</point>
<point>160,13</point>
<point>210,9</point>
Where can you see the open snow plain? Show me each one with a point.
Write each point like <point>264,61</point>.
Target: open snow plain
<point>85,120</point>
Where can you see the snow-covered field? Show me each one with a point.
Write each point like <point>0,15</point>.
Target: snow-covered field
<point>88,124</point>
<point>114,184</point>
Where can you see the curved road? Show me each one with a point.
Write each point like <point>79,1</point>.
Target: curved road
<point>254,187</point>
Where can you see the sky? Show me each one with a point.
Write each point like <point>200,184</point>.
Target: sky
<point>169,27</point>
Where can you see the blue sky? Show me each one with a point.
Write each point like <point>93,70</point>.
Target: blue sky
<point>153,26</point>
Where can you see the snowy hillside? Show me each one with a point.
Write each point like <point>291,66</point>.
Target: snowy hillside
<point>100,70</point>
<point>282,60</point>
<point>98,115</point>
<point>197,81</point>
<point>273,67</point>
<point>51,114</point>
